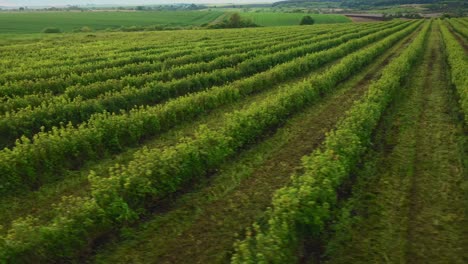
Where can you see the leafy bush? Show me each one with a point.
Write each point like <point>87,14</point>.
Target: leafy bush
<point>234,21</point>
<point>307,20</point>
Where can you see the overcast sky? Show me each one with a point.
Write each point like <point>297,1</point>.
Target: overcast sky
<point>118,2</point>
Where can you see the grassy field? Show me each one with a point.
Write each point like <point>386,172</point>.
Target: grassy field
<point>290,19</point>
<point>335,143</point>
<point>35,22</point>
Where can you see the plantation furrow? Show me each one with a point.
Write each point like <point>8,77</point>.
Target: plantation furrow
<point>75,77</point>
<point>138,57</point>
<point>300,210</point>
<point>241,190</point>
<point>144,63</point>
<point>414,175</point>
<point>67,147</point>
<point>138,76</point>
<point>147,77</point>
<point>143,41</point>
<point>168,48</point>
<point>59,85</point>
<point>123,196</point>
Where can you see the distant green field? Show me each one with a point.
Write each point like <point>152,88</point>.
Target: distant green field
<point>289,19</point>
<point>34,22</point>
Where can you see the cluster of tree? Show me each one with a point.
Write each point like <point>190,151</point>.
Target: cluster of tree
<point>67,8</point>
<point>234,21</point>
<point>455,8</point>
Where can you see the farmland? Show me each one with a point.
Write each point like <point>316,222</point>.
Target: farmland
<point>31,22</point>
<point>335,143</point>
<point>35,22</point>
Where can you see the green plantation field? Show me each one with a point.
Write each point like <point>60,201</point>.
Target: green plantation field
<point>35,22</point>
<point>336,143</point>
<point>289,19</point>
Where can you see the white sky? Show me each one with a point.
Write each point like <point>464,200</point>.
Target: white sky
<point>120,2</point>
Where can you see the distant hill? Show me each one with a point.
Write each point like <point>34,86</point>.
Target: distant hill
<point>358,3</point>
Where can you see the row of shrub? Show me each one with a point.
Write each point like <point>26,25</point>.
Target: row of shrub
<point>157,65</point>
<point>303,208</point>
<point>118,54</point>
<point>154,59</point>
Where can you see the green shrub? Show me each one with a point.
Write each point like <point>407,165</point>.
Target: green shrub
<point>307,20</point>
